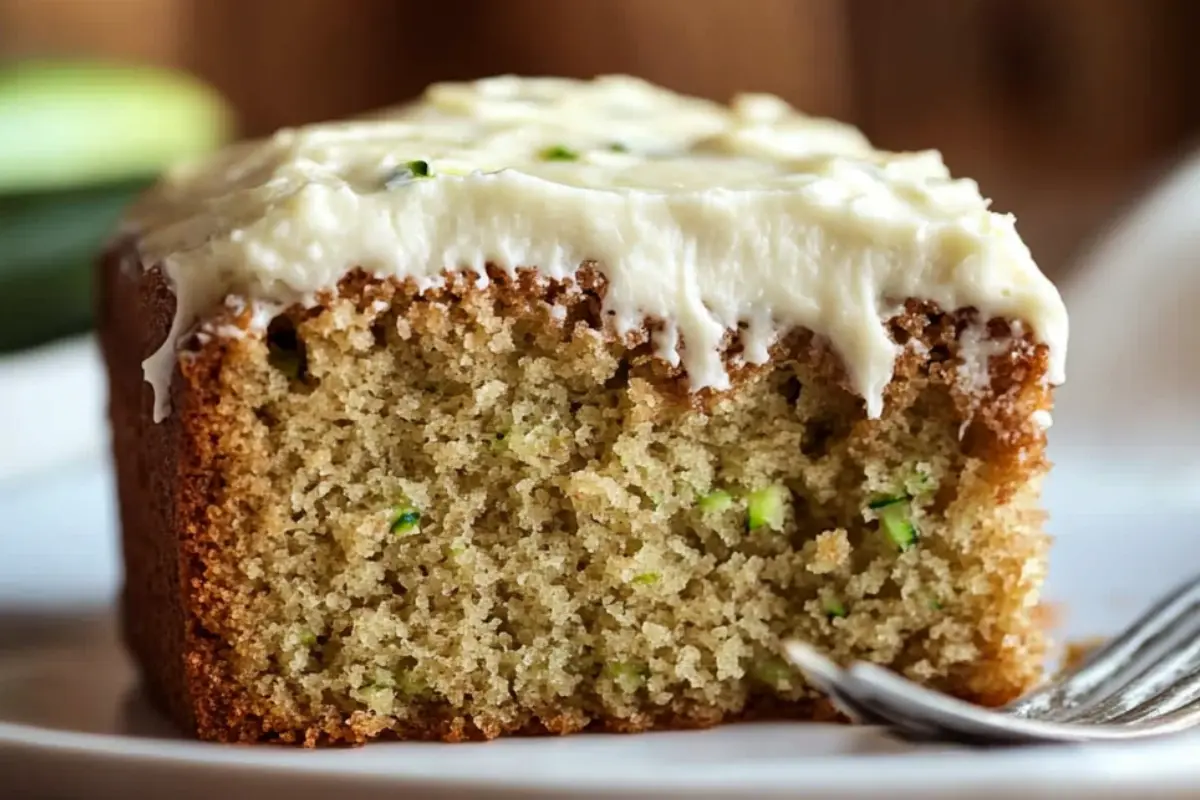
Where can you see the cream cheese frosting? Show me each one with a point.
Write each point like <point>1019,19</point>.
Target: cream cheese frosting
<point>699,215</point>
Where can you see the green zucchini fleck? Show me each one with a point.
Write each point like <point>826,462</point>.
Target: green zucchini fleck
<point>716,501</point>
<point>408,684</point>
<point>413,170</point>
<point>405,519</point>
<point>629,675</point>
<point>646,578</point>
<point>896,521</point>
<point>834,607</point>
<point>883,501</point>
<point>765,508</point>
<point>772,670</point>
<point>559,152</point>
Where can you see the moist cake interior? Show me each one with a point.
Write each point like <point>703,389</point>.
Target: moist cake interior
<point>477,511</point>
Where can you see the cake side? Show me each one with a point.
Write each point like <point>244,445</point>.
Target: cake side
<point>168,481</point>
<point>584,552</point>
<point>155,613</point>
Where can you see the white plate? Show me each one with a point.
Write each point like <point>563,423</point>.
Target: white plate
<point>51,407</point>
<point>1124,498</point>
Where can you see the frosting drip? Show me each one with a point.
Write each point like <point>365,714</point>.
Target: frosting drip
<point>699,215</point>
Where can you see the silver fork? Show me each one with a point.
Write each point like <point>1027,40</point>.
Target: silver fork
<point>1144,682</point>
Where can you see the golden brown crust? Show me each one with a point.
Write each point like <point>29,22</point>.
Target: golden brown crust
<point>154,604</point>
<point>170,478</point>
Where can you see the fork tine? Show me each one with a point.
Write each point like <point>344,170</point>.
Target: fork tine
<point>1183,718</point>
<point>827,677</point>
<point>917,712</point>
<point>893,706</point>
<point>1124,655</point>
<point>1158,677</point>
<point>821,671</point>
<point>875,695</point>
<point>1179,695</point>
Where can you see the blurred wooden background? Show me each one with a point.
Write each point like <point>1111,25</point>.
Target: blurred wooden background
<point>1061,109</point>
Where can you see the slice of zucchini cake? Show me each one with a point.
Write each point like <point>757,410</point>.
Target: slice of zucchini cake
<point>543,405</point>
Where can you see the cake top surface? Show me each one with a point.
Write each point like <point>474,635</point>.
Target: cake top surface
<point>748,219</point>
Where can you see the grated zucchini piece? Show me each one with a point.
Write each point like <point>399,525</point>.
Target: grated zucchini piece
<point>765,508</point>
<point>716,501</point>
<point>834,607</point>
<point>896,521</point>
<point>559,152</point>
<point>629,675</point>
<point>773,671</point>
<point>405,519</point>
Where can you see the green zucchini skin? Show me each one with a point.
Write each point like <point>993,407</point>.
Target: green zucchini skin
<point>68,124</point>
<point>79,140</point>
<point>48,244</point>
